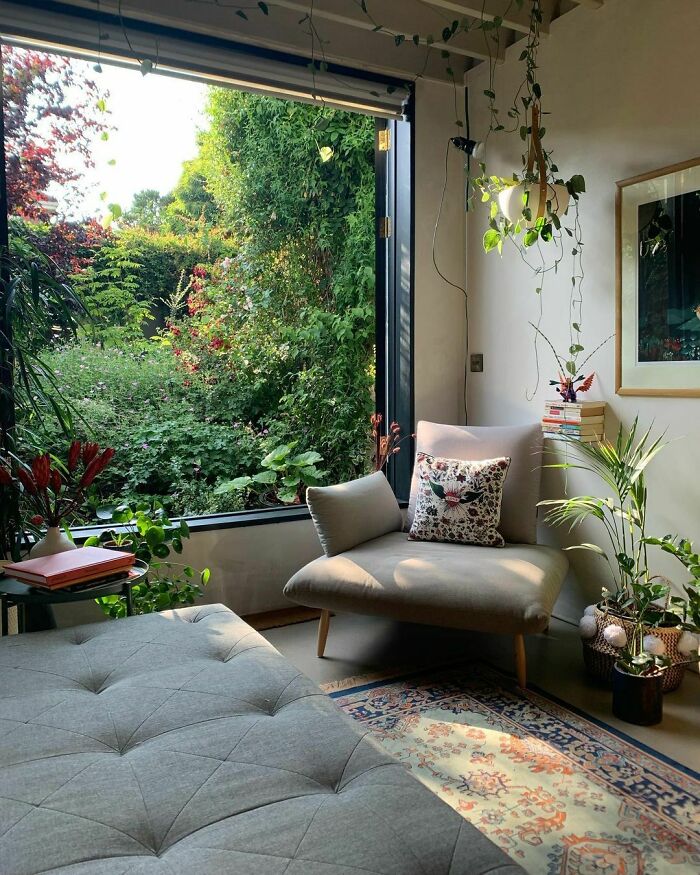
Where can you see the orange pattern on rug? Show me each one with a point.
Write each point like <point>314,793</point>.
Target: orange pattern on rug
<point>559,792</point>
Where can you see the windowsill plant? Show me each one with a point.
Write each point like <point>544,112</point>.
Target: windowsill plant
<point>639,626</point>
<point>147,532</point>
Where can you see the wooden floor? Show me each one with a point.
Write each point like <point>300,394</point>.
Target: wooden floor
<point>359,645</point>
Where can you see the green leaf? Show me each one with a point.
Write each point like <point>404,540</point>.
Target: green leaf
<point>235,485</point>
<point>308,458</point>
<point>263,8</point>
<point>154,536</point>
<point>92,541</point>
<point>571,368</point>
<point>205,576</point>
<point>265,477</point>
<point>491,240</point>
<point>161,551</point>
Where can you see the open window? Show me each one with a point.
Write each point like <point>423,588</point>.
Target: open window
<point>246,319</point>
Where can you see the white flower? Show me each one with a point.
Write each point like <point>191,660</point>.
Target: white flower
<point>615,636</point>
<point>587,627</point>
<point>688,643</point>
<point>590,611</point>
<point>653,645</point>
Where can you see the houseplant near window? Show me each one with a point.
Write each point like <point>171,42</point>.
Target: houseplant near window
<point>50,492</point>
<point>147,532</point>
<point>639,604</point>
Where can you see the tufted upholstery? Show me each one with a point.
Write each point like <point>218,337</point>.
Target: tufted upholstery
<point>182,743</point>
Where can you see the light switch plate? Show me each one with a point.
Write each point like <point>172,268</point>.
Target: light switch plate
<point>476,362</point>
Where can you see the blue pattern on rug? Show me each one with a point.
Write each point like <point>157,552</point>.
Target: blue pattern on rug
<point>561,793</point>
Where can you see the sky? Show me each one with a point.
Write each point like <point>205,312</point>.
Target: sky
<point>156,119</point>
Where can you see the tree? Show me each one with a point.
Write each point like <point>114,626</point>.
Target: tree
<point>147,209</point>
<point>53,111</point>
<point>192,204</point>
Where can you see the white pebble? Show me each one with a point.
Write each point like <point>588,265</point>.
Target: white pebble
<point>688,643</point>
<point>590,611</point>
<point>615,636</point>
<point>653,645</point>
<point>587,627</point>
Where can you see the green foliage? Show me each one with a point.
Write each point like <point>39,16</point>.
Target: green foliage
<point>621,467</point>
<point>110,289</point>
<point>255,281</point>
<point>151,536</point>
<point>284,476</point>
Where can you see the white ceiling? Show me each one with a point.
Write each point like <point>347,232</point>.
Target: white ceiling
<point>339,31</point>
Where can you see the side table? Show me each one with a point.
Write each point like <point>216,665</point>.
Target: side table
<point>15,593</point>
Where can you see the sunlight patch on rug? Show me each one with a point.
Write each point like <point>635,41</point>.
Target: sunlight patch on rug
<point>560,793</point>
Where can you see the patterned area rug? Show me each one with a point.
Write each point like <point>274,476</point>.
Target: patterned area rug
<point>561,793</point>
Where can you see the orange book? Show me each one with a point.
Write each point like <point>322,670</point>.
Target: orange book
<point>110,577</point>
<point>73,566</point>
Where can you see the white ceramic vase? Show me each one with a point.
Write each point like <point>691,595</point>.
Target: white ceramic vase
<point>510,200</point>
<point>54,541</point>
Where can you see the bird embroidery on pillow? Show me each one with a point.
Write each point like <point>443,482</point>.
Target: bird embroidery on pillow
<point>455,494</point>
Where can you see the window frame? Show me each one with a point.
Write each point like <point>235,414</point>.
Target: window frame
<point>394,292</point>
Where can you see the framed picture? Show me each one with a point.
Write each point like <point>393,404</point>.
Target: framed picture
<point>658,282</point>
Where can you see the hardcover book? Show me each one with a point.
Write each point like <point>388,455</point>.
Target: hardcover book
<point>73,566</point>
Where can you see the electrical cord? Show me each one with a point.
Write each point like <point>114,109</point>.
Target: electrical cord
<point>449,282</point>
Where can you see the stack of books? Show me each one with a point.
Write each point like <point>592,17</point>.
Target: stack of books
<point>582,421</point>
<point>87,565</point>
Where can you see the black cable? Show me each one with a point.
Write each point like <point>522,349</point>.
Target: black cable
<point>449,282</point>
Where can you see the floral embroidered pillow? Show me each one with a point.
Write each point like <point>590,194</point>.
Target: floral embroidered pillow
<point>459,501</point>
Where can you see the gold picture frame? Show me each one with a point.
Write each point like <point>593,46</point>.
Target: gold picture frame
<point>649,210</point>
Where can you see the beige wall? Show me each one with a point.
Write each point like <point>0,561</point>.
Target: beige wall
<point>440,332</point>
<point>621,85</point>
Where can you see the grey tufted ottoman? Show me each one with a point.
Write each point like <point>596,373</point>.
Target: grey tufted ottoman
<point>183,742</point>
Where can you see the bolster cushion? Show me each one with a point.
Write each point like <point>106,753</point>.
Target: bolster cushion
<point>521,491</point>
<point>351,513</point>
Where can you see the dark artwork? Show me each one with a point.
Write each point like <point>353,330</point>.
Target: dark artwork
<point>669,279</point>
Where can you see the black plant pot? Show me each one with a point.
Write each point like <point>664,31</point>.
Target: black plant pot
<point>638,699</point>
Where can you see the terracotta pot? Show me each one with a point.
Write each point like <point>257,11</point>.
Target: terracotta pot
<point>637,699</point>
<point>599,656</point>
<point>510,200</point>
<point>54,541</point>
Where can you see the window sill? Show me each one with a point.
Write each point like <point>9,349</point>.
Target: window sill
<point>214,522</point>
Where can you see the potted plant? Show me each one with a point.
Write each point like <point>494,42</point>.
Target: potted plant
<point>51,491</point>
<point>146,531</point>
<point>638,599</point>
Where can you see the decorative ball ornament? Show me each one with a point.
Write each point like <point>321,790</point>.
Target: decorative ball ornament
<point>590,611</point>
<point>688,643</point>
<point>653,645</point>
<point>615,636</point>
<point>588,627</point>
<point>512,202</point>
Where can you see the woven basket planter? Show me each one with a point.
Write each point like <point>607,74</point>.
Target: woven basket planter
<point>599,656</point>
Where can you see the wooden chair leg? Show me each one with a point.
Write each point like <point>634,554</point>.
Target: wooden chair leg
<point>520,661</point>
<point>323,632</point>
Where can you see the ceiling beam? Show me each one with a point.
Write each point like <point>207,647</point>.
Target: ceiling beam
<point>513,17</point>
<point>395,19</point>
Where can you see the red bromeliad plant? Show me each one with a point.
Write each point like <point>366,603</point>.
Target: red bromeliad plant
<point>385,445</point>
<point>54,492</point>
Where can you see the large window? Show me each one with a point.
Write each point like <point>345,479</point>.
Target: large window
<point>223,246</point>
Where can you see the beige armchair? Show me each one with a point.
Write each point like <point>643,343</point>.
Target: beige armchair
<point>370,566</point>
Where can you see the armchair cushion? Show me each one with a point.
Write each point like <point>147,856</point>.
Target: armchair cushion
<point>521,491</point>
<point>509,589</point>
<point>348,514</point>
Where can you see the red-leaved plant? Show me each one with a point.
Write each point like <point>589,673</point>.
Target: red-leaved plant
<point>54,492</point>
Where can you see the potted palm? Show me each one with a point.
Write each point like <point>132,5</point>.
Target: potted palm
<point>638,611</point>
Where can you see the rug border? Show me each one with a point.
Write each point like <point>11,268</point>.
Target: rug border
<point>579,712</point>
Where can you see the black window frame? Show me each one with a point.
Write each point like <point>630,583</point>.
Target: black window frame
<point>394,300</point>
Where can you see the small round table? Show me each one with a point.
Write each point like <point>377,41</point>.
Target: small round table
<point>15,593</point>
